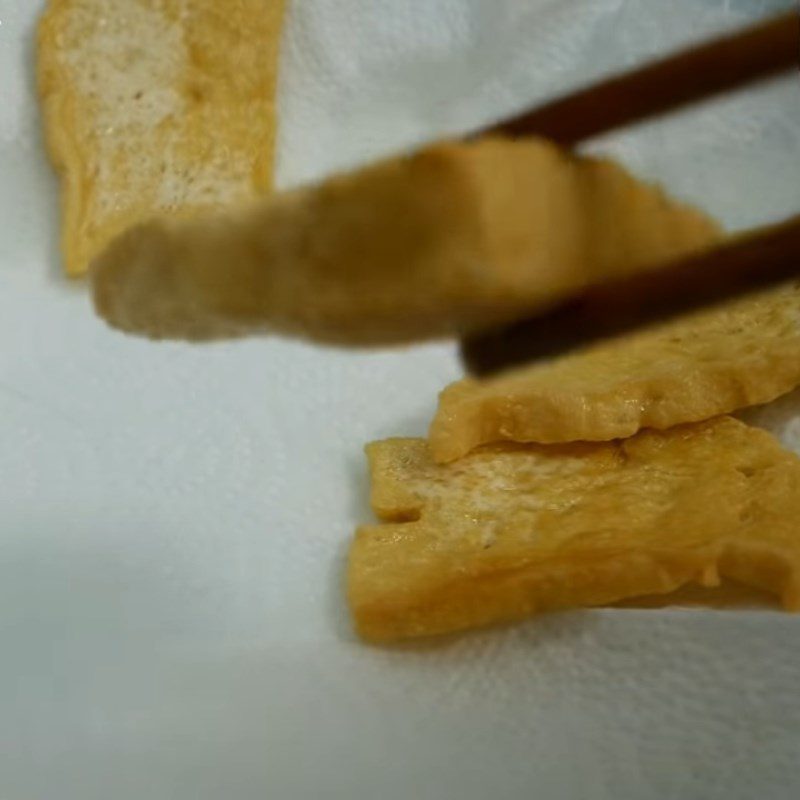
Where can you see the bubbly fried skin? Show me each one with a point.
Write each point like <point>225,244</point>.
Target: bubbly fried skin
<point>511,530</point>
<point>742,353</point>
<point>155,107</point>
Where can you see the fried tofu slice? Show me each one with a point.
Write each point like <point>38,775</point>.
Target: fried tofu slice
<point>512,530</point>
<point>742,353</point>
<point>435,244</point>
<point>155,106</point>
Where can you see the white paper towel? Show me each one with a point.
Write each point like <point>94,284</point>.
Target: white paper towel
<point>173,520</point>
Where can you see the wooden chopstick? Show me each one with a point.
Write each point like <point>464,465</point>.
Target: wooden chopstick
<point>695,74</point>
<point>745,263</point>
<point>741,265</point>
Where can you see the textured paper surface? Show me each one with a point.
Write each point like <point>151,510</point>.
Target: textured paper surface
<point>173,521</point>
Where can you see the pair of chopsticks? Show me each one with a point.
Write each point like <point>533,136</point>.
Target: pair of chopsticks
<point>744,263</point>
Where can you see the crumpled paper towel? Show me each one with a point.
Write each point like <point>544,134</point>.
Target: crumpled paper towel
<point>174,520</point>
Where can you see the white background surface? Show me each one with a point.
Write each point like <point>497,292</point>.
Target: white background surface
<point>173,521</point>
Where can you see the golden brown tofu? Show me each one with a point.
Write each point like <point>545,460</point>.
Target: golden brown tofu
<point>445,241</point>
<point>512,530</point>
<point>153,107</point>
<point>712,362</point>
